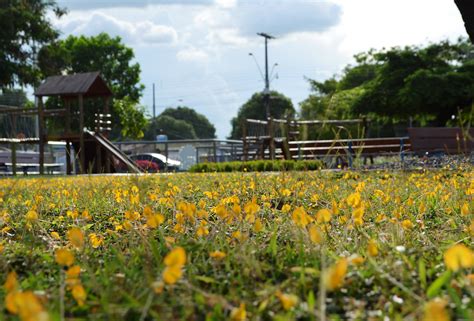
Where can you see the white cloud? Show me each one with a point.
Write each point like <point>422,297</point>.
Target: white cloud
<point>192,55</point>
<point>283,17</point>
<point>369,24</point>
<point>131,32</point>
<point>226,3</point>
<point>229,37</point>
<point>96,4</point>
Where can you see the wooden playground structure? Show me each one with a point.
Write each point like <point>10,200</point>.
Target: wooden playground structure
<point>95,153</point>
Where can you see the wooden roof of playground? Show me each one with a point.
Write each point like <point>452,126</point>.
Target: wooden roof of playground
<point>87,84</point>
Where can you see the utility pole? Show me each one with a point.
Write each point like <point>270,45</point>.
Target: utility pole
<point>266,91</point>
<point>266,97</point>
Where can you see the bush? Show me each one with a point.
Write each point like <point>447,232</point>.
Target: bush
<point>258,166</point>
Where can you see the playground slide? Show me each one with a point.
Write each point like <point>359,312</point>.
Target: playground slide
<point>109,146</point>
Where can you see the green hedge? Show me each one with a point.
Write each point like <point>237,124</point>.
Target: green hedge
<point>258,166</point>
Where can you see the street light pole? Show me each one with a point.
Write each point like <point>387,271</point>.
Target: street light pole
<point>266,91</point>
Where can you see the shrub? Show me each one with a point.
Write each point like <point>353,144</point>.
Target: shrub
<point>257,166</point>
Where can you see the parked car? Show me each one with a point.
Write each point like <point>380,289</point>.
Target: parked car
<point>154,162</point>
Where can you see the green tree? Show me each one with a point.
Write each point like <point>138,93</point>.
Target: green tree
<point>24,28</point>
<point>96,53</point>
<point>114,61</point>
<point>254,108</point>
<point>201,125</point>
<point>131,116</point>
<point>173,128</point>
<point>428,83</point>
<point>14,98</point>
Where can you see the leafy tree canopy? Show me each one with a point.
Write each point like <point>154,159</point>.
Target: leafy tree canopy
<point>101,53</point>
<point>14,98</point>
<point>114,60</point>
<point>173,128</point>
<point>426,83</point>
<point>24,28</point>
<point>254,108</point>
<point>430,82</point>
<point>201,125</point>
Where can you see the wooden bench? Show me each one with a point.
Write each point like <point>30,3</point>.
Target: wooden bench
<point>440,140</point>
<point>350,148</point>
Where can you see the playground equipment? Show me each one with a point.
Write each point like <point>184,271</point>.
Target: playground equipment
<point>96,154</point>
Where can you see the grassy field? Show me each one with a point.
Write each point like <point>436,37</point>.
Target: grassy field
<point>239,246</point>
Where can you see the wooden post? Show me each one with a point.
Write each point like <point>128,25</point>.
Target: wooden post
<point>272,138</point>
<point>13,149</point>
<point>98,149</point>
<point>82,154</point>
<point>365,126</point>
<point>67,133</point>
<point>107,156</point>
<point>14,125</point>
<point>245,142</point>
<point>41,134</point>
<point>214,150</point>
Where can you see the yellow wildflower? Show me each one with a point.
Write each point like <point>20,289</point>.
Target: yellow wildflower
<point>288,301</point>
<point>26,305</point>
<point>95,240</point>
<point>315,235</point>
<point>79,294</point>
<point>323,216</point>
<point>251,208</point>
<point>357,215</point>
<point>174,262</point>
<point>353,200</point>
<point>372,248</point>
<point>31,216</point>
<point>217,255</point>
<point>300,217</point>
<point>358,260</point>
<point>73,272</point>
<point>64,257</point>
<point>465,209</point>
<point>55,235</point>
<point>435,310</point>
<point>11,283</point>
<point>286,208</point>
<point>155,220</point>
<point>76,237</point>
<point>458,256</point>
<point>238,314</point>
<point>202,229</point>
<point>407,224</point>
<point>258,226</point>
<point>336,274</point>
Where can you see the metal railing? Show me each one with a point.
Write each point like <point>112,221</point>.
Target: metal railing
<point>188,151</point>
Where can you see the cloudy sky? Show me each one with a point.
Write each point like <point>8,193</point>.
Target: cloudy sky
<point>197,51</point>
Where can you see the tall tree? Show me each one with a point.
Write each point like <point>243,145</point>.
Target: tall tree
<point>254,108</point>
<point>24,29</point>
<point>101,53</point>
<point>428,83</point>
<point>114,60</point>
<point>201,125</point>
<point>171,127</point>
